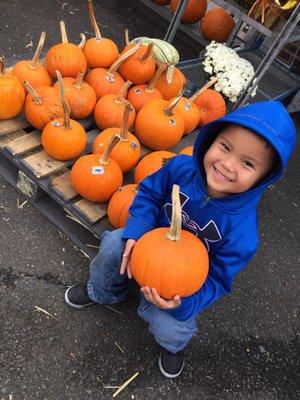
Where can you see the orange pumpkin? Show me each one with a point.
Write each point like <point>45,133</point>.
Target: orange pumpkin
<point>151,163</point>
<point>158,125</point>
<point>193,12</point>
<point>139,67</point>
<point>190,113</point>
<point>187,150</point>
<point>189,110</point>
<point>96,177</point>
<point>65,57</point>
<point>12,94</point>
<point>108,81</point>
<point>80,96</point>
<point>42,105</point>
<point>179,264</point>
<point>119,204</point>
<point>217,24</point>
<point>127,151</point>
<point>32,71</point>
<point>211,105</point>
<point>139,95</point>
<point>63,138</point>
<point>99,51</point>
<point>169,89</point>
<point>109,110</point>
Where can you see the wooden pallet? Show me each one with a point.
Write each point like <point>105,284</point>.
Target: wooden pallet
<point>45,182</point>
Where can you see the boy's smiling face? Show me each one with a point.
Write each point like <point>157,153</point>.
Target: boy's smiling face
<point>236,161</point>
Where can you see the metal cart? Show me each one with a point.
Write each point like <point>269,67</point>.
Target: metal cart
<point>278,83</point>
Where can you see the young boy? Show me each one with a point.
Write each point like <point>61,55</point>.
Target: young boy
<point>235,159</point>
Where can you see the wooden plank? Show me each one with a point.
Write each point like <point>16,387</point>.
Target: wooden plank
<point>90,210</point>
<point>23,144</point>
<point>8,138</point>
<point>12,125</point>
<point>42,165</point>
<point>62,185</point>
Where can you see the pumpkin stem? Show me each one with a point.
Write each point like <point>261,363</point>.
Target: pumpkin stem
<point>79,79</point>
<point>147,54</point>
<point>201,90</point>
<point>120,98</point>
<point>64,103</point>
<point>175,228</point>
<point>93,20</point>
<point>36,98</point>
<point>172,104</point>
<point>154,78</point>
<point>126,37</point>
<point>170,74</point>
<point>113,68</point>
<point>64,37</point>
<point>2,65</point>
<point>38,50</point>
<point>104,159</point>
<point>124,126</point>
<point>83,41</point>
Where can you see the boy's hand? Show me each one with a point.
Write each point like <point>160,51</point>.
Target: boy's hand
<point>153,297</point>
<point>125,266</point>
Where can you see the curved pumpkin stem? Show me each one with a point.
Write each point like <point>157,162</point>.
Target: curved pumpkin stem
<point>112,70</point>
<point>2,65</point>
<point>64,37</point>
<point>147,54</point>
<point>154,78</point>
<point>126,35</point>
<point>175,228</point>
<point>170,74</point>
<point>38,50</point>
<point>93,20</point>
<point>36,98</point>
<point>201,90</point>
<point>79,79</point>
<point>124,126</point>
<point>120,98</point>
<point>64,103</point>
<point>172,104</point>
<point>83,41</point>
<point>104,159</point>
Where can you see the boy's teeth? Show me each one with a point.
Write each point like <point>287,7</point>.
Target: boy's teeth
<point>221,175</point>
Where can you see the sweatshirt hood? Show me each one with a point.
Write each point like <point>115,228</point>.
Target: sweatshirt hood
<point>270,120</point>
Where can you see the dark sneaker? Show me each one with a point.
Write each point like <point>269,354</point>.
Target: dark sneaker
<point>171,365</point>
<point>77,296</point>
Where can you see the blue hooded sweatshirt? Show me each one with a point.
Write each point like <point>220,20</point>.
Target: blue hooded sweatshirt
<point>227,226</point>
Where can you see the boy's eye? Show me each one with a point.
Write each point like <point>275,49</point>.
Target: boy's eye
<point>225,147</point>
<point>249,164</point>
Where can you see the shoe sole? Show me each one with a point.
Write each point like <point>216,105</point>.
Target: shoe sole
<point>70,304</point>
<point>164,373</point>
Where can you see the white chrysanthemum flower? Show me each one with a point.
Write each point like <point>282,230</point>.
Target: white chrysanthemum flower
<point>232,71</point>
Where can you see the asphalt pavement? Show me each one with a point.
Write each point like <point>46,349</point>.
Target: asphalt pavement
<point>247,344</point>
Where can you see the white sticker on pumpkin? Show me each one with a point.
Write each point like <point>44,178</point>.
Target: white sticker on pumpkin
<point>133,145</point>
<point>55,123</point>
<point>98,170</point>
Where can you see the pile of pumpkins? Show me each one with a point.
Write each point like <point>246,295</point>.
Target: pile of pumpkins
<point>215,24</point>
<point>139,89</point>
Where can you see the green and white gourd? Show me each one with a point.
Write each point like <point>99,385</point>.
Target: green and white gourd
<point>163,53</point>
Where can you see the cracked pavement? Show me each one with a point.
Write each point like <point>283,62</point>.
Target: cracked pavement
<point>246,345</point>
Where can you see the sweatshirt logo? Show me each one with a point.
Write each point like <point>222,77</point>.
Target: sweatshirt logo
<point>208,233</point>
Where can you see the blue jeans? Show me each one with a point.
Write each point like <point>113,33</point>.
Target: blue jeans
<point>107,286</point>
